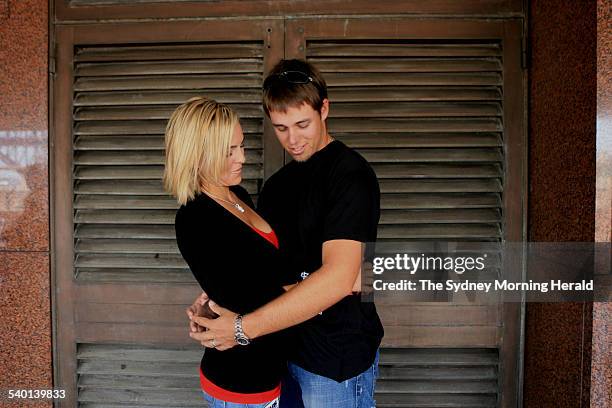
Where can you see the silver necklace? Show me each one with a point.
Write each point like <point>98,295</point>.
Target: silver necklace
<point>236,205</point>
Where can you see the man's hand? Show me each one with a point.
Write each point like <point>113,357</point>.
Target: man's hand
<point>196,309</point>
<point>219,332</point>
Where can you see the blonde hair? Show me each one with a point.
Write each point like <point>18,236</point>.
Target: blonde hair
<point>198,138</point>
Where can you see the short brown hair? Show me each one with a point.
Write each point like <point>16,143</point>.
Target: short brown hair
<point>281,93</point>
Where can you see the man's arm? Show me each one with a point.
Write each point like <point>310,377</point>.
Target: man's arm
<point>322,289</point>
<point>349,222</point>
<point>325,287</point>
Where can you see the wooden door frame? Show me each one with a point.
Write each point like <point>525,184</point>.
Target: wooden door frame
<point>67,291</point>
<point>510,32</point>
<point>71,10</point>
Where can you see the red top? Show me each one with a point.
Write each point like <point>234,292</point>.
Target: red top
<point>236,397</point>
<point>270,236</point>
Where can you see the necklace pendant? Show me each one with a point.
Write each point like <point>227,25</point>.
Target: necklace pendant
<point>239,207</point>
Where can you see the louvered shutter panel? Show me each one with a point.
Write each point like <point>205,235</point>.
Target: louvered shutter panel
<point>428,117</point>
<point>424,102</point>
<point>123,97</point>
<point>138,376</point>
<point>437,378</point>
<point>121,284</point>
<point>162,377</point>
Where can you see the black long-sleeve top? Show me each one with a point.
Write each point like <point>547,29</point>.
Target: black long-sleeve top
<point>240,270</point>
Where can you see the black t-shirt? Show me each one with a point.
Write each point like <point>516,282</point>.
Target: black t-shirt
<point>240,270</point>
<point>332,195</point>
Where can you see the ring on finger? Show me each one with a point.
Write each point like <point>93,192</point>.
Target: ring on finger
<point>213,344</point>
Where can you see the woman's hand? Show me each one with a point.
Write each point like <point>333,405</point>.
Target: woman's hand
<point>219,332</point>
<point>196,309</point>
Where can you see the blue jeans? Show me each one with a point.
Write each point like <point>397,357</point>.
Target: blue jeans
<point>303,389</point>
<point>217,403</point>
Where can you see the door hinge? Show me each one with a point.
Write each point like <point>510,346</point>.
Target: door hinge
<point>52,63</point>
<point>524,52</point>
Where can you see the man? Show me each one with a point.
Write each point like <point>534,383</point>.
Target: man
<point>323,206</point>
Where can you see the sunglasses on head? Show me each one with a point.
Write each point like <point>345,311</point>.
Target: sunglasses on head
<point>292,77</point>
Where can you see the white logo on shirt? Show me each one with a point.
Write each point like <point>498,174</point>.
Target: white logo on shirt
<point>304,275</point>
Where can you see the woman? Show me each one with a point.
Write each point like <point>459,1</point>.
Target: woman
<point>231,250</point>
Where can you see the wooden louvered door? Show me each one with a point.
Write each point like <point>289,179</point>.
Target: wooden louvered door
<point>121,284</point>
<point>436,106</point>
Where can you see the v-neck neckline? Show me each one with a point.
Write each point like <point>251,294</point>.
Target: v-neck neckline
<point>241,221</point>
